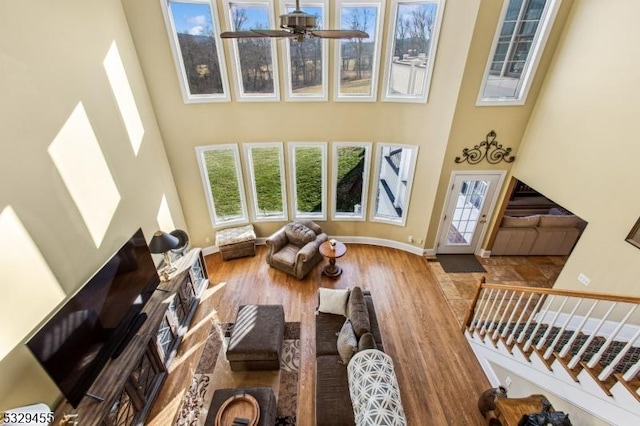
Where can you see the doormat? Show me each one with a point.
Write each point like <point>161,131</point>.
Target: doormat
<point>198,398</point>
<point>453,263</point>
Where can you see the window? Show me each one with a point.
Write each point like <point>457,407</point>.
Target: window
<point>395,166</point>
<point>351,162</point>
<point>517,47</point>
<point>195,42</point>
<point>412,49</point>
<point>255,65</point>
<point>265,162</point>
<point>306,61</point>
<point>309,167</point>
<point>357,59</point>
<point>222,180</point>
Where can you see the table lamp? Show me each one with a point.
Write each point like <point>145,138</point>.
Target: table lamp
<point>163,242</point>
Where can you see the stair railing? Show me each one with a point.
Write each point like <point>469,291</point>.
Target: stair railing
<point>592,331</point>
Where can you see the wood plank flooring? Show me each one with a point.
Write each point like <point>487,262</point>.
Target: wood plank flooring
<point>439,377</point>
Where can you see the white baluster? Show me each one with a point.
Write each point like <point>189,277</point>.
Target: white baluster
<point>513,312</point>
<point>551,347</point>
<point>538,324</point>
<point>477,310</point>
<point>494,321</point>
<point>608,370</point>
<point>576,358</point>
<point>484,309</point>
<point>531,315</point>
<point>565,350</point>
<point>632,372</point>
<point>552,323</point>
<point>484,326</point>
<point>596,358</point>
<point>522,314</point>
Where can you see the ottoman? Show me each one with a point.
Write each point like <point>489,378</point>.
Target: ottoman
<point>265,397</point>
<point>236,242</point>
<point>256,338</point>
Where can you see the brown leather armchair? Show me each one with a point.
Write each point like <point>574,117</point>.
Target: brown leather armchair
<point>294,248</point>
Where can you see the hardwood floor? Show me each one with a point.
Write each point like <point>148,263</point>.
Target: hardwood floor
<point>439,377</point>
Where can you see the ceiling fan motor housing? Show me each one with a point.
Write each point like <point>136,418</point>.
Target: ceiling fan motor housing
<point>297,21</point>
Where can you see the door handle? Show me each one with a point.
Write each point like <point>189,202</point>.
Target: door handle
<point>482,221</point>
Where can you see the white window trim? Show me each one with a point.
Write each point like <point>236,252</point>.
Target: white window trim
<point>365,184</point>
<point>386,96</point>
<point>200,150</point>
<point>254,97</point>
<point>294,194</point>
<point>306,97</point>
<point>375,75</point>
<point>540,40</point>
<point>247,147</point>
<point>376,176</point>
<point>179,63</point>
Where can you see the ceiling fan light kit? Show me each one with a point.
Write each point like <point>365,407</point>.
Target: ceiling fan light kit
<point>297,25</point>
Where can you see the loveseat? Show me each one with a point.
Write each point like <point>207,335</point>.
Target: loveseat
<point>295,248</point>
<point>538,235</point>
<point>333,399</point>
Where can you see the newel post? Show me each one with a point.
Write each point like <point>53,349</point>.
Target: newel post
<point>472,308</point>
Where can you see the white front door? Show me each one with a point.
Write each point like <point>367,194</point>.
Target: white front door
<point>470,200</point>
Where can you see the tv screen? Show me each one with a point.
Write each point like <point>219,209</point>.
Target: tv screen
<point>79,339</point>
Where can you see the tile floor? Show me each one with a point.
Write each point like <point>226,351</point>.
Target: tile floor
<point>533,271</point>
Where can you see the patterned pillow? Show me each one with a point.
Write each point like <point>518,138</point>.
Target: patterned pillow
<point>347,342</point>
<point>298,234</point>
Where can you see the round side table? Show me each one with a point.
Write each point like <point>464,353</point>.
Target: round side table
<point>332,253</point>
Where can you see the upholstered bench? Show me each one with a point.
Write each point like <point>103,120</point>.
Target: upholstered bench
<point>264,395</point>
<point>236,242</point>
<point>256,338</point>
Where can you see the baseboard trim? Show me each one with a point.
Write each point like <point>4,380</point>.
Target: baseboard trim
<point>381,242</point>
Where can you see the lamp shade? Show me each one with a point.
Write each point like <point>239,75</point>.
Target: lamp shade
<point>163,242</point>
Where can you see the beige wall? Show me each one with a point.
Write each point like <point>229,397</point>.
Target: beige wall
<point>581,146</point>
<point>185,126</point>
<point>51,64</point>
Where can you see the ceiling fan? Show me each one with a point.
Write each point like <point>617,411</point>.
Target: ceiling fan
<point>296,25</point>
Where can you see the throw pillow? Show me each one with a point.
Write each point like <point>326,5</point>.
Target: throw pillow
<point>298,234</point>
<point>347,342</point>
<point>520,222</point>
<point>358,312</point>
<point>367,342</point>
<point>333,301</point>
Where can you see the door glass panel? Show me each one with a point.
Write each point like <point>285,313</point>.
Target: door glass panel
<point>466,214</point>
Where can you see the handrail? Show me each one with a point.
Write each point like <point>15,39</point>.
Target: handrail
<point>549,323</point>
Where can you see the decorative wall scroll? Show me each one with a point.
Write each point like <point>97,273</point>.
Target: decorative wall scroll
<point>488,149</point>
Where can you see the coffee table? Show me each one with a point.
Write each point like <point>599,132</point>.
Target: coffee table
<point>332,253</point>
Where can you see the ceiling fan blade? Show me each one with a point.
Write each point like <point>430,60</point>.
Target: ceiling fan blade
<point>339,34</point>
<point>273,33</point>
<point>239,34</point>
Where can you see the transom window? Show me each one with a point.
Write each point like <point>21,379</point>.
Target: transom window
<point>309,168</point>
<point>223,182</point>
<point>411,49</point>
<point>265,162</point>
<point>194,32</point>
<point>357,59</point>
<point>306,61</point>
<point>517,47</point>
<point>256,65</point>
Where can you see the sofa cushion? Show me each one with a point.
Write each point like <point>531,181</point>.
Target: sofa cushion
<point>333,301</point>
<point>333,402</point>
<point>366,341</point>
<point>358,312</point>
<point>327,327</point>
<point>347,342</point>
<point>557,221</point>
<point>298,234</point>
<point>520,222</point>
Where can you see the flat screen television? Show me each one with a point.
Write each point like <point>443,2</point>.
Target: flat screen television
<point>94,324</point>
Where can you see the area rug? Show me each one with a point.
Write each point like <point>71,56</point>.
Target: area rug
<point>452,263</point>
<point>200,393</point>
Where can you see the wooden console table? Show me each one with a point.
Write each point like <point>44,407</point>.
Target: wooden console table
<point>510,410</point>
